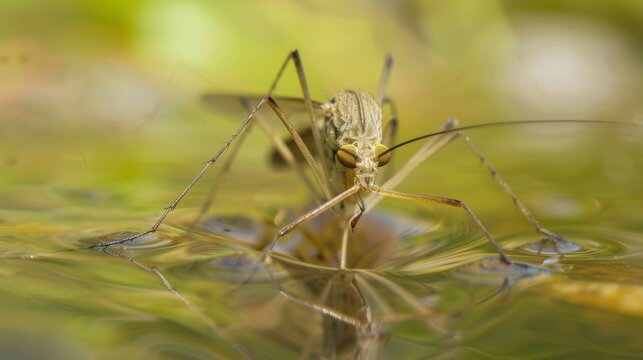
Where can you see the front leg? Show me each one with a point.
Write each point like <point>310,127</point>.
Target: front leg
<point>450,202</point>
<point>307,217</point>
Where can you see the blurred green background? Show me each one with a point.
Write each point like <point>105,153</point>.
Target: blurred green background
<point>101,126</point>
<point>95,91</point>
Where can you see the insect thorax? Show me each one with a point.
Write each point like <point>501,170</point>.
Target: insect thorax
<point>355,118</point>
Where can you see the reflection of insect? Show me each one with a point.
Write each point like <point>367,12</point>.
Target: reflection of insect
<point>352,144</point>
<point>357,307</point>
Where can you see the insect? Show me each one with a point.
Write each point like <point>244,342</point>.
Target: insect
<point>352,143</point>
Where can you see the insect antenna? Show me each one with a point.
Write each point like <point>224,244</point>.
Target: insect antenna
<point>503,123</point>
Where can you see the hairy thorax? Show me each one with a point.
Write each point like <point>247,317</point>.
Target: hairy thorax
<point>355,118</point>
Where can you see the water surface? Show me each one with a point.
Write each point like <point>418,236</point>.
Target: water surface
<point>424,282</point>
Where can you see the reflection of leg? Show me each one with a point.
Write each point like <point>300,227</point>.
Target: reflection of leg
<point>346,325</point>
<point>559,240</point>
<point>308,216</point>
<point>312,335</point>
<point>195,310</point>
<point>445,201</point>
<point>419,310</point>
<point>342,256</point>
<point>154,270</point>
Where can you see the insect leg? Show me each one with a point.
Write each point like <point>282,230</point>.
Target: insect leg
<point>390,133</point>
<point>207,203</point>
<point>266,100</point>
<point>386,74</point>
<point>281,147</point>
<point>319,171</point>
<point>198,176</point>
<point>308,216</point>
<point>559,240</point>
<point>351,226</point>
<point>279,144</point>
<point>287,155</point>
<point>445,201</point>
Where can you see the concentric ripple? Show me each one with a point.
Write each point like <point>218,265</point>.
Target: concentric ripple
<point>552,247</point>
<point>592,243</point>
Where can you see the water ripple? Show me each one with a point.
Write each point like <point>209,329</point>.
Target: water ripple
<point>592,244</point>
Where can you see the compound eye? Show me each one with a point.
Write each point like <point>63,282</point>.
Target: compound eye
<point>382,159</point>
<point>347,156</point>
